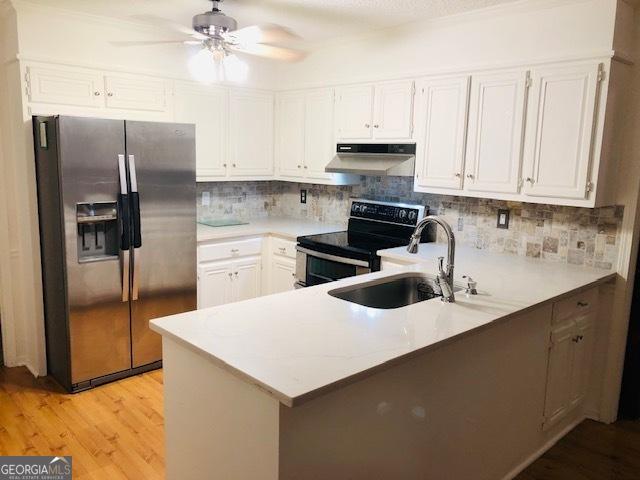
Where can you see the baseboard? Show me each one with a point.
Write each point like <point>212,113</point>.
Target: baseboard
<point>538,453</point>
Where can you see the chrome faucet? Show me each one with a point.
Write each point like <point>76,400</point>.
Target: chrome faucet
<point>445,275</point>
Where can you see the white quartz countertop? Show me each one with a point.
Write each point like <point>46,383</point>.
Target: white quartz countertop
<point>300,344</point>
<point>285,227</point>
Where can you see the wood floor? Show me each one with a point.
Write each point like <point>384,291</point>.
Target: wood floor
<point>112,432</point>
<point>116,432</point>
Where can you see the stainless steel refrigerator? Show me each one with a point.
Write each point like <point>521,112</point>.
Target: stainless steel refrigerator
<point>117,212</point>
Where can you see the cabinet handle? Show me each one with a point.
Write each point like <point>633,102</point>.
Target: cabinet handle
<point>575,339</point>
<point>282,249</point>
<point>110,94</point>
<point>469,175</point>
<point>234,250</point>
<point>583,304</point>
<point>97,94</point>
<point>305,167</point>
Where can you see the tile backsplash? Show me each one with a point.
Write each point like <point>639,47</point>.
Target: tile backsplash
<point>572,235</point>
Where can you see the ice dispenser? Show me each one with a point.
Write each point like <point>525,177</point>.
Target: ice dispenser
<point>98,237</point>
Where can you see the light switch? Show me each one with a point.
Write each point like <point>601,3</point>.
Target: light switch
<point>503,219</point>
<point>206,199</point>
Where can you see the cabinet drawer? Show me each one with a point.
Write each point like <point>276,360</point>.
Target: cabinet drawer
<point>221,251</point>
<point>286,248</point>
<point>578,304</point>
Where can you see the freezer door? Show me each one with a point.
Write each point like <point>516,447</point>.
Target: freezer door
<point>97,283</point>
<point>162,169</point>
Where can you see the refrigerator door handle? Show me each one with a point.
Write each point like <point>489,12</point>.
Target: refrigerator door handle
<point>123,214</point>
<point>137,234</point>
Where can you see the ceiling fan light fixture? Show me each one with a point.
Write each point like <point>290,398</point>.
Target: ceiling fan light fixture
<point>213,65</point>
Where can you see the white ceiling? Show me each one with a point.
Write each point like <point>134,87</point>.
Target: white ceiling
<point>313,20</point>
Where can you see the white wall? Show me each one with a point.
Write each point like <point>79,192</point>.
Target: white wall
<point>524,31</point>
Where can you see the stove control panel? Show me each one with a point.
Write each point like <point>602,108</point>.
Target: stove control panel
<point>387,212</point>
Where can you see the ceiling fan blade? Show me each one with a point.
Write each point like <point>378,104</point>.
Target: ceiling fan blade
<point>270,51</point>
<point>135,43</point>
<point>265,33</point>
<point>170,24</point>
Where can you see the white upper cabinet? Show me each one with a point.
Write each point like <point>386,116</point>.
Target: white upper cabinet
<point>132,92</point>
<point>290,133</point>
<point>495,132</point>
<point>383,111</point>
<point>354,112</point>
<point>393,113</point>
<point>65,85</point>
<point>250,134</point>
<point>560,131</point>
<point>319,140</point>
<point>207,108</point>
<point>441,126</point>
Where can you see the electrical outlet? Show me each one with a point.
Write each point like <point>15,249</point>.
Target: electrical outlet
<point>303,196</point>
<point>206,199</point>
<point>503,219</point>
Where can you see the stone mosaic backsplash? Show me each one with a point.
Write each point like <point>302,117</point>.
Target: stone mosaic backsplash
<point>579,236</point>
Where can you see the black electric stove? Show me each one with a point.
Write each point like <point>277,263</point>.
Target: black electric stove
<point>372,226</point>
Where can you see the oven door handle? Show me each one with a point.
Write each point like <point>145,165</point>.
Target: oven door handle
<point>334,258</point>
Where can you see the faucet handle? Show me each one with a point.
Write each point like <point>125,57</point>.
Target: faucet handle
<point>471,286</point>
<point>441,264</point>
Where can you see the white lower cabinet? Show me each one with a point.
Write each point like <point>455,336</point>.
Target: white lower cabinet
<point>228,281</point>
<point>570,348</point>
<point>283,274</point>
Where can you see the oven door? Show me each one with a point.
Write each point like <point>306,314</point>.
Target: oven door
<point>314,268</point>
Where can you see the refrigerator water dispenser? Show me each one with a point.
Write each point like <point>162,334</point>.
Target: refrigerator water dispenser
<point>98,237</point>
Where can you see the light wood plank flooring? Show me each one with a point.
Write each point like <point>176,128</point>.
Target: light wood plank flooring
<point>112,432</point>
<point>116,432</point>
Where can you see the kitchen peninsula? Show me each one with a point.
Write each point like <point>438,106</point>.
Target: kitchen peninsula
<point>266,389</point>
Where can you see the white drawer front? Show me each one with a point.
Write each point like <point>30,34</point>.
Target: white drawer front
<point>578,304</point>
<point>286,248</point>
<point>221,251</point>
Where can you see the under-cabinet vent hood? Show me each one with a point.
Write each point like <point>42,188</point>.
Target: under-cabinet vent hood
<point>379,159</point>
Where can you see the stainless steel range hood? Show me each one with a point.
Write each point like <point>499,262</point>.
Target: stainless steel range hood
<point>381,159</point>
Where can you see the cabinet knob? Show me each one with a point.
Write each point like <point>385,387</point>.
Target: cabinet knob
<point>97,94</point>
<point>234,250</point>
<point>376,126</point>
<point>110,94</point>
<point>366,125</point>
<point>293,274</point>
<point>224,165</point>
<point>583,304</point>
<point>458,175</point>
<point>236,274</point>
<point>230,274</point>
<point>233,165</point>
<point>299,166</point>
<point>305,167</point>
<point>529,179</point>
<point>469,175</point>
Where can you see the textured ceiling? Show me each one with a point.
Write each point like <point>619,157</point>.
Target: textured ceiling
<point>313,20</point>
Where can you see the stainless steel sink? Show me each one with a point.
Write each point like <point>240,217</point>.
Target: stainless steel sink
<point>391,292</point>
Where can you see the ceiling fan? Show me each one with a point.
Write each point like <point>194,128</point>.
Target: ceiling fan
<point>219,37</point>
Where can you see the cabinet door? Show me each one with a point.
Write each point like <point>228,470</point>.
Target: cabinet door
<point>442,122</point>
<point>559,131</point>
<point>583,341</point>
<point>393,110</point>
<point>559,373</point>
<point>207,108</point>
<point>495,133</point>
<point>282,274</point>
<point>250,134</point>
<point>354,113</point>
<point>66,86</point>
<point>290,134</point>
<point>319,141</point>
<point>246,279</point>
<point>132,92</point>
<point>214,284</point>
